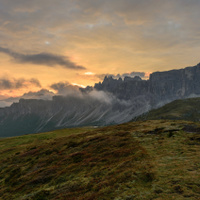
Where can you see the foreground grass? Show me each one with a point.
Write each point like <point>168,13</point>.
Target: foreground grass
<point>138,160</point>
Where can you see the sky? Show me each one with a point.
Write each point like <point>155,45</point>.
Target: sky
<point>46,44</point>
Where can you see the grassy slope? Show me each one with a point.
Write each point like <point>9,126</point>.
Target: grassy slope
<point>184,109</point>
<point>137,160</point>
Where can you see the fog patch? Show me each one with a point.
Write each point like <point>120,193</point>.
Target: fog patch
<point>101,96</point>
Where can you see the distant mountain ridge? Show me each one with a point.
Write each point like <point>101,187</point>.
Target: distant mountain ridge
<point>33,116</point>
<point>112,101</point>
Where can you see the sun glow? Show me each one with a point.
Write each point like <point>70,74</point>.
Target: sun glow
<point>89,73</point>
<point>79,85</point>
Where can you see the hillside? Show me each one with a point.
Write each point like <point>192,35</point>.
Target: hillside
<point>137,160</point>
<point>185,109</point>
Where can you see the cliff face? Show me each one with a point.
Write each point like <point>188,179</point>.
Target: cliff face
<point>161,86</point>
<point>176,83</point>
<point>116,101</point>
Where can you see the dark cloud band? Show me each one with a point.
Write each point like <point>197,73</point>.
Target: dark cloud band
<point>42,59</point>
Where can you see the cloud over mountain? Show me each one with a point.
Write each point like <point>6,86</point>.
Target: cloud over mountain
<point>65,88</point>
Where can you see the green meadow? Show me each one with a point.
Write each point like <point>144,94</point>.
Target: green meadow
<point>138,160</point>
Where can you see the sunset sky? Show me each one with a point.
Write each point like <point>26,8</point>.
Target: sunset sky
<point>49,42</point>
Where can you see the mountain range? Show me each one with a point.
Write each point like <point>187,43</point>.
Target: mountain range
<point>112,101</point>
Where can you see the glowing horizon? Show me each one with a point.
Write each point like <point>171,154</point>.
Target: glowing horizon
<point>45,42</point>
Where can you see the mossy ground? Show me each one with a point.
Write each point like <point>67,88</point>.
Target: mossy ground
<point>137,160</point>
